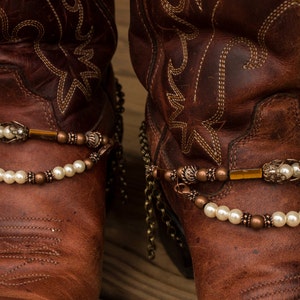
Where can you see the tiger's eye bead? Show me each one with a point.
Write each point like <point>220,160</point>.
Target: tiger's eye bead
<point>201,175</point>
<point>201,201</point>
<point>257,222</point>
<point>221,174</point>
<point>88,163</point>
<point>62,137</point>
<point>80,139</point>
<point>40,178</point>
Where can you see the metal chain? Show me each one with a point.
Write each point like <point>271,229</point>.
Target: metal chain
<point>153,195</point>
<point>117,163</point>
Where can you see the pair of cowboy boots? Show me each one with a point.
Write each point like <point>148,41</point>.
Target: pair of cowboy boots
<point>223,106</point>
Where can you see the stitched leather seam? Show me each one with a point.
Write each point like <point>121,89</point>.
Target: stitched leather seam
<point>270,284</point>
<point>254,131</point>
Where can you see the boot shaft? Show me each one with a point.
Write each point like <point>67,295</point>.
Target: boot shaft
<point>57,55</point>
<point>207,64</point>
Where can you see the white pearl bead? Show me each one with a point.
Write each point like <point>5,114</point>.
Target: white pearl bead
<point>7,133</point>
<point>292,219</point>
<point>296,170</point>
<point>1,174</point>
<point>279,219</point>
<point>58,173</point>
<point>69,170</point>
<point>9,177</point>
<point>235,216</point>
<point>20,177</point>
<point>1,132</point>
<point>286,170</point>
<point>79,166</point>
<point>210,209</point>
<point>222,213</point>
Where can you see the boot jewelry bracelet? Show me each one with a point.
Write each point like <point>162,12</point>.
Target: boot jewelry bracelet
<point>276,171</point>
<point>16,132</point>
<point>11,132</point>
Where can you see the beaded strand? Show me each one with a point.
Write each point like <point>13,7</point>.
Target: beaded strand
<point>11,132</point>
<point>276,171</point>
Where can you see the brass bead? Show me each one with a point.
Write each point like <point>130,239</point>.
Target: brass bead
<point>179,172</point>
<point>80,139</point>
<point>221,174</point>
<point>200,201</point>
<point>40,178</point>
<point>167,175</point>
<point>154,173</point>
<point>88,163</point>
<point>201,175</point>
<point>62,137</point>
<point>257,222</point>
<point>105,140</point>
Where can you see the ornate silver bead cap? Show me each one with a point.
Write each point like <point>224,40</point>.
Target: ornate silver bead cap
<point>279,171</point>
<point>12,132</point>
<point>93,139</point>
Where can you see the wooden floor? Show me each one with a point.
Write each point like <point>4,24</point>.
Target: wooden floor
<point>128,274</point>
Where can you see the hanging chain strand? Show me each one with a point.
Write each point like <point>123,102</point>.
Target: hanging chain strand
<point>117,161</point>
<point>153,195</point>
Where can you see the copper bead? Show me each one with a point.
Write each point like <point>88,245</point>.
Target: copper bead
<point>155,173</point>
<point>105,140</point>
<point>62,137</point>
<point>179,172</point>
<point>81,140</point>
<point>257,222</point>
<point>40,178</point>
<point>201,175</point>
<point>221,174</point>
<point>167,175</point>
<point>200,201</point>
<point>88,163</point>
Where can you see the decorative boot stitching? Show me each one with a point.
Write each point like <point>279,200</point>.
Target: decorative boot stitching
<point>83,54</point>
<point>177,100</point>
<point>154,40</point>
<point>22,249</point>
<point>47,110</point>
<point>293,110</point>
<point>256,291</point>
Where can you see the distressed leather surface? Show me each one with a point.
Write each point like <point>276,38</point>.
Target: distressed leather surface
<point>55,74</point>
<point>223,83</point>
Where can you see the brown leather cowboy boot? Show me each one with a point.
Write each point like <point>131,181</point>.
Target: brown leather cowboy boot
<point>222,122</point>
<point>56,80</point>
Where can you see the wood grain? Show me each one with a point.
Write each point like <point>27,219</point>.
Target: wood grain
<point>127,273</point>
